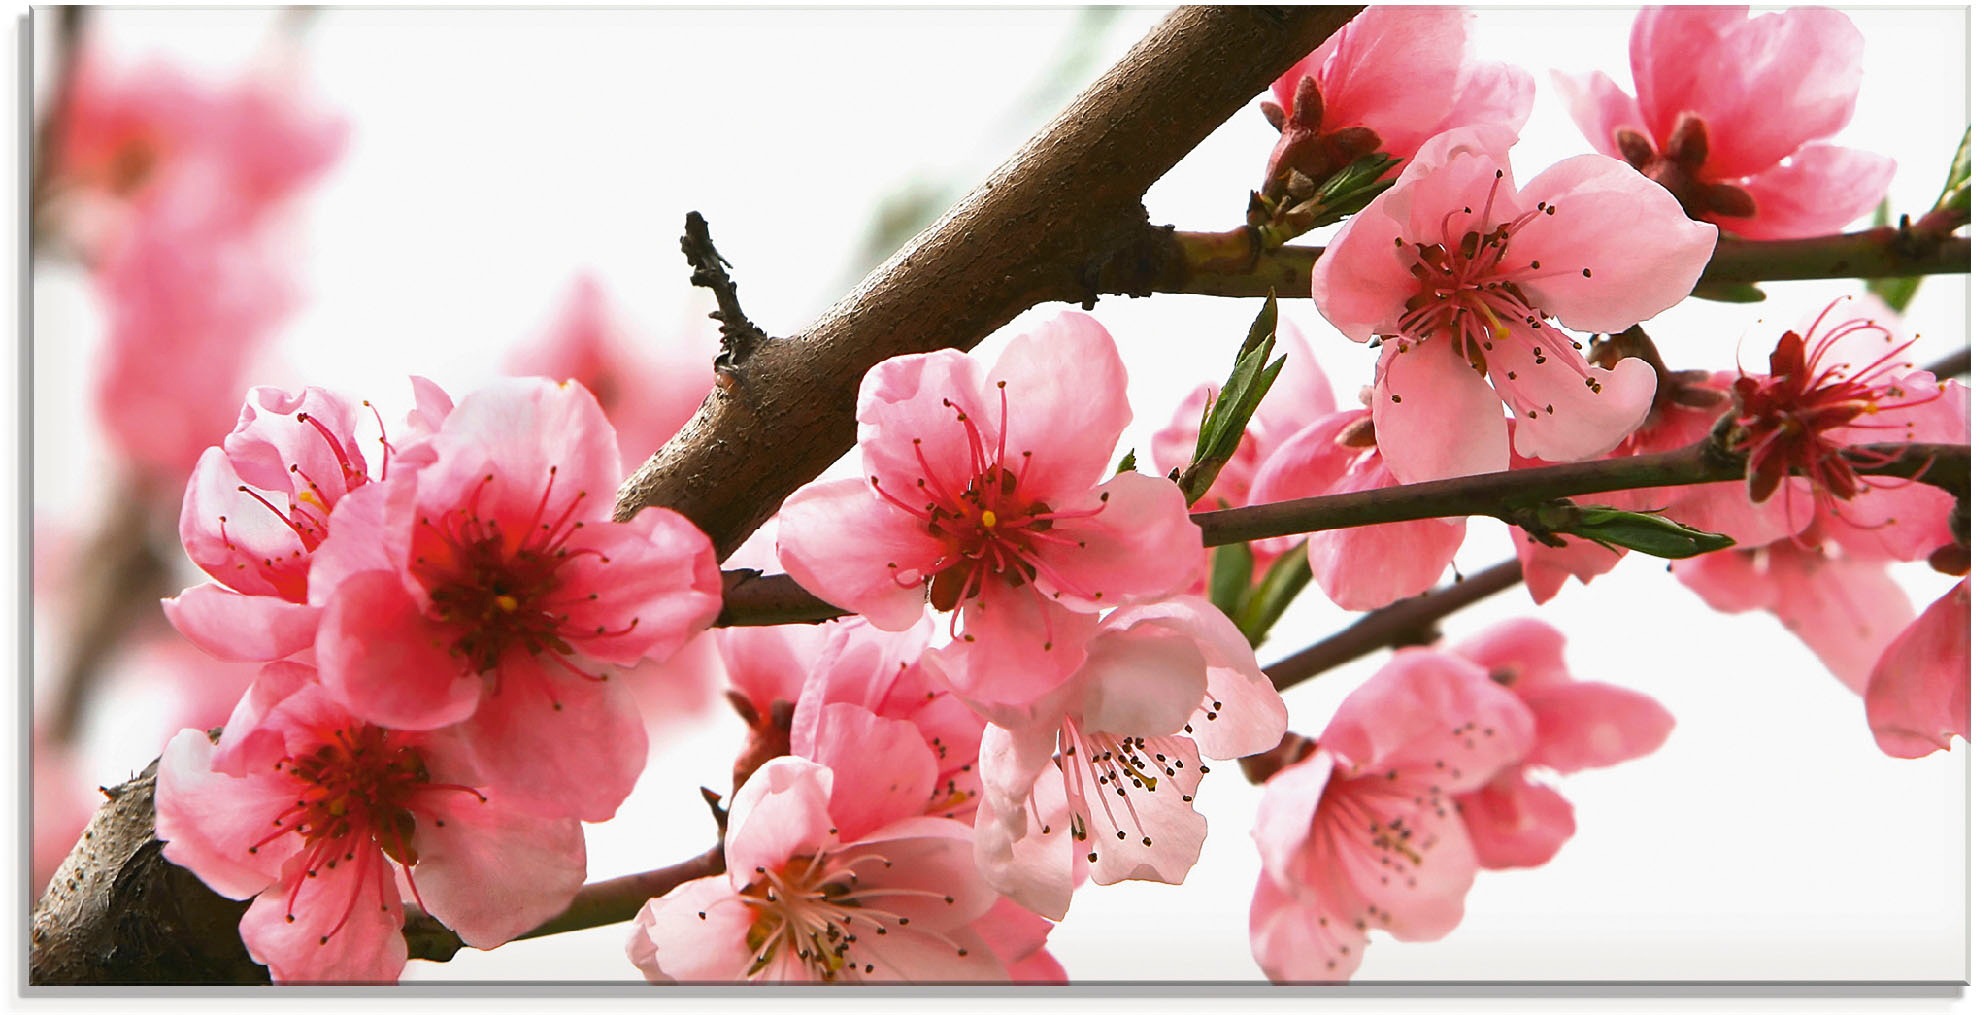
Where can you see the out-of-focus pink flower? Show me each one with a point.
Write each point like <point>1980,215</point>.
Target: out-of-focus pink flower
<point>981,492</point>
<point>1729,114</point>
<point>310,810</point>
<point>256,509</point>
<point>1457,270</point>
<point>1102,775</point>
<point>487,586</point>
<point>1513,820</point>
<point>133,138</point>
<point>63,805</point>
<point>814,893</point>
<point>647,389</point>
<point>1385,82</point>
<point>1365,567</point>
<point>189,297</point>
<point>1846,609</point>
<point>1363,834</point>
<point>1919,694</point>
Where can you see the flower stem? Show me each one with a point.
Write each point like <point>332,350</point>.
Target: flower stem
<point>1406,622</point>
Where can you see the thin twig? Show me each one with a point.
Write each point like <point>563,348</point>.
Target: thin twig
<point>1406,622</point>
<point>1956,364</point>
<point>740,337</point>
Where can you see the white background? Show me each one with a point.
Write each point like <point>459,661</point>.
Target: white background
<point>497,153</point>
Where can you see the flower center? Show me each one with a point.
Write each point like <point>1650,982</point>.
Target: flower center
<point>1466,292</point>
<point>992,529</point>
<point>307,514</point>
<point>502,591</point>
<point>1678,168</point>
<point>1106,777</point>
<point>818,910</point>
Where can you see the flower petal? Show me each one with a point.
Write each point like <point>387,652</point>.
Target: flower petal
<point>1434,417</point>
<point>1514,822</point>
<point>839,540</point>
<point>490,871</point>
<point>387,662</point>
<point>558,743</point>
<point>1821,190</point>
<point>1066,402</point>
<point>1919,694</point>
<point>1585,724</point>
<point>229,625</point>
<point>1141,543</point>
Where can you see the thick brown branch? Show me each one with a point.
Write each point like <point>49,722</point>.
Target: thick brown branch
<point>1406,622</point>
<point>1222,264</point>
<point>69,22</point>
<point>1052,224</point>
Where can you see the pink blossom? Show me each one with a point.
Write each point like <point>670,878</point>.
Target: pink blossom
<point>1730,113</point>
<point>320,817</point>
<point>1845,609</point>
<point>1513,820</point>
<point>63,804</point>
<point>1457,270</point>
<point>130,135</point>
<point>1102,775</point>
<point>1365,567</point>
<point>1832,389</point>
<point>882,674</point>
<point>483,587</point>
<point>1385,82</point>
<point>647,388</point>
<point>1919,694</point>
<point>1363,834</point>
<point>809,895</point>
<point>255,511</point>
<point>189,298</point>
<point>981,495</point>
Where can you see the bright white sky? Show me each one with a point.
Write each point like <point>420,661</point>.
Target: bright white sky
<point>496,153</point>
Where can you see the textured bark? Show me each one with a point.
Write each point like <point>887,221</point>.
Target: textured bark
<point>117,913</point>
<point>1054,223</point>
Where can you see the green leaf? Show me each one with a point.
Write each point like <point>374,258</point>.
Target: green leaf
<point>1232,570</point>
<point>1956,186</point>
<point>1648,533</point>
<point>1129,462</point>
<point>1268,600</point>
<point>1729,292</point>
<point>1225,419</point>
<point>1897,293</point>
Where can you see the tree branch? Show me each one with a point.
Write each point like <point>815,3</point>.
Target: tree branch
<point>1228,264</point>
<point>597,905</point>
<point>1049,225</point>
<point>1943,465</point>
<point>1406,622</point>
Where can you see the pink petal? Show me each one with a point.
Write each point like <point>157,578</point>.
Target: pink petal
<point>768,664</point>
<point>1016,648</point>
<point>1021,833</point>
<point>1565,409</point>
<point>1294,943</point>
<point>491,872</point>
<point>1144,834</point>
<point>1307,463</point>
<point>1495,94</point>
<point>931,879</point>
<point>1424,707</point>
<point>531,434</point>
<point>1301,392</point>
<point>838,540</point>
<point>1585,724</point>
<point>557,743</point>
<point>909,428</point>
<point>1847,611</point>
<point>1773,83</point>
<point>371,530</point>
<point>1730,581</point>
<point>1019,937</point>
<point>1524,654</point>
<point>1670,50</point>
<point>1513,822</point>
<point>1066,398</point>
<point>1434,417</point>
<point>883,769</point>
<point>1393,70</point>
<point>1820,191</point>
<point>652,585</point>
<point>1545,569</point>
<point>1368,567</point>
<point>210,821</point>
<point>1599,108</point>
<point>1287,814</point>
<point>697,933</point>
<point>313,948</point>
<point>1240,712</point>
<point>780,812</point>
<point>229,625</point>
<point>1919,694</point>
<point>1141,678</point>
<point>1141,543</point>
<point>387,662</point>
<point>1418,897</point>
<point>1642,253</point>
<point>1362,279</point>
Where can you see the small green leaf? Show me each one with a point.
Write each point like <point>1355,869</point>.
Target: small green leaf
<point>1729,292</point>
<point>1129,462</point>
<point>1268,600</point>
<point>1897,293</point>
<point>1648,533</point>
<point>1226,416</point>
<point>1956,187</point>
<point>1232,570</point>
